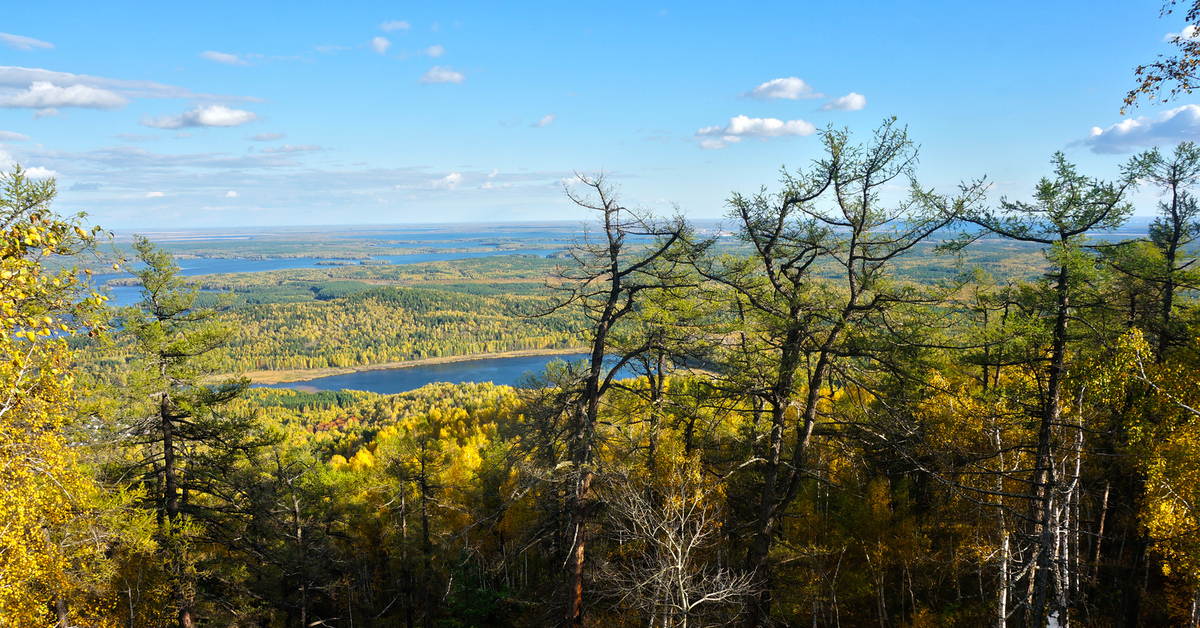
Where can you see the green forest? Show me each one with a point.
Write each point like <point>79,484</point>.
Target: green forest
<point>862,408</point>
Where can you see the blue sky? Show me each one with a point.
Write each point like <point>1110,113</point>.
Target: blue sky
<point>294,113</point>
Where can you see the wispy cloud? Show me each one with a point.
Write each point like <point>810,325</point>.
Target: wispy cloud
<point>136,137</point>
<point>9,136</point>
<point>394,25</point>
<point>211,115</point>
<point>850,102</point>
<point>1175,125</point>
<point>111,183</point>
<point>433,52</point>
<point>743,126</point>
<point>379,44</point>
<point>24,44</point>
<point>223,57</point>
<point>546,120</point>
<point>232,194</point>
<point>790,88</point>
<point>297,148</point>
<point>268,137</point>
<point>439,74</point>
<point>45,95</point>
<point>12,77</point>
<point>155,194</point>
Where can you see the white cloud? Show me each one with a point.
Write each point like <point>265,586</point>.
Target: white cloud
<point>1175,125</point>
<point>231,194</point>
<point>434,51</point>
<point>545,121</point>
<point>154,195</point>
<point>210,115</point>
<point>268,137</point>
<point>850,102</point>
<point>379,44</point>
<point>9,136</point>
<point>394,25</point>
<point>45,95</point>
<point>495,171</point>
<point>1188,32</point>
<point>743,126</point>
<point>24,44</point>
<point>448,182</point>
<point>290,148</point>
<point>17,78</point>
<point>39,172</point>
<point>790,88</point>
<point>223,57</point>
<point>439,74</point>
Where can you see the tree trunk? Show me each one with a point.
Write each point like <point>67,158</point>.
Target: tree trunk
<point>1045,482</point>
<point>579,503</point>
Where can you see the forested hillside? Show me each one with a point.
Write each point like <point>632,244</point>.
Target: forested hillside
<point>833,424</point>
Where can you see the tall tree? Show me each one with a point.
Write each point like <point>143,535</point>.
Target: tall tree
<point>1174,230</point>
<point>1063,211</point>
<point>818,274</point>
<point>611,272</point>
<point>179,441</point>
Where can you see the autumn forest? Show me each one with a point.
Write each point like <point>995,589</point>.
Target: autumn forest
<point>850,407</point>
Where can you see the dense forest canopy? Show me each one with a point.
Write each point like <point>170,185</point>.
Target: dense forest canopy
<point>838,418</point>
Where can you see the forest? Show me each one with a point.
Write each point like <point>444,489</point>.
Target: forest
<point>864,408</point>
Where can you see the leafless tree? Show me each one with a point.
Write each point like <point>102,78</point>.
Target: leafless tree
<point>669,567</point>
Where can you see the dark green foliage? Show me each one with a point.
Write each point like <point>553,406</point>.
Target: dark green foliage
<point>474,604</point>
<point>339,289</point>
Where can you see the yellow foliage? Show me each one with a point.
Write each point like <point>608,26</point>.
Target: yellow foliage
<point>47,501</point>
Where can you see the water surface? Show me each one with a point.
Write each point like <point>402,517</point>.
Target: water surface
<point>500,371</point>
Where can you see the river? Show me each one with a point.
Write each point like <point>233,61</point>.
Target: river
<point>504,371</point>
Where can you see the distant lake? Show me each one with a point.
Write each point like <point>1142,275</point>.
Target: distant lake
<point>500,371</point>
<point>129,295</point>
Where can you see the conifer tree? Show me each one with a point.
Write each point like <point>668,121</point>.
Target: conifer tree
<point>179,441</point>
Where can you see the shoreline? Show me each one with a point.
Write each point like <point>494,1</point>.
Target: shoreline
<point>304,375</point>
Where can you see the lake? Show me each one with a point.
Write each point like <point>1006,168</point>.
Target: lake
<point>129,295</point>
<point>503,371</point>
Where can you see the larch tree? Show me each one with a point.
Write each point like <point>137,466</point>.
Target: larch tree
<point>612,272</point>
<point>818,275</point>
<point>1173,232</point>
<point>1064,209</point>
